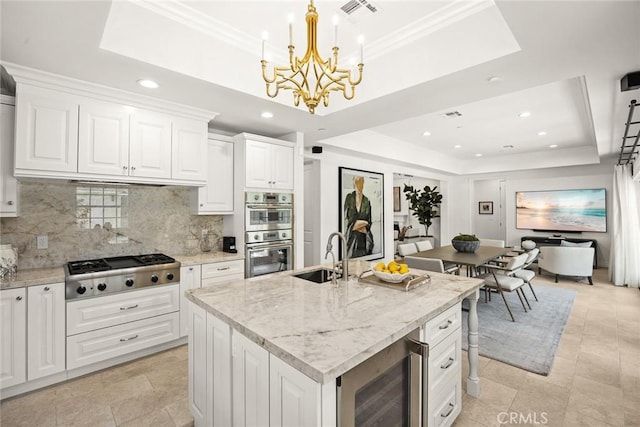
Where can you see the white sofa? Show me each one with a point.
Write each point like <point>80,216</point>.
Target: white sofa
<point>567,261</point>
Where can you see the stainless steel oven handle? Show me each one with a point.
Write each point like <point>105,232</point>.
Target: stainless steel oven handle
<point>422,349</point>
<point>263,207</point>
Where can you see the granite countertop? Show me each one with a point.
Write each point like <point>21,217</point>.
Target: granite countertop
<point>43,276</point>
<point>324,330</point>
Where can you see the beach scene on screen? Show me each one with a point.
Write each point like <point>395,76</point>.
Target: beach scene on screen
<point>562,210</point>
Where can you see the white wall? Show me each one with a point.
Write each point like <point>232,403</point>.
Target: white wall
<point>487,226</point>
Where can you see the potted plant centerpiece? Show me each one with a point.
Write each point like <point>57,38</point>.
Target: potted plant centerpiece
<point>465,243</point>
<point>423,204</point>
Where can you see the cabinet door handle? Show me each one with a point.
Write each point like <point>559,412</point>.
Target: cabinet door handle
<point>449,363</point>
<point>129,308</point>
<point>18,298</point>
<point>128,339</point>
<point>223,268</point>
<point>190,268</point>
<point>46,288</point>
<point>10,202</point>
<point>449,322</point>
<point>445,415</point>
<point>133,168</point>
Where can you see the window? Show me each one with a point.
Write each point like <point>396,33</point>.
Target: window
<point>102,207</point>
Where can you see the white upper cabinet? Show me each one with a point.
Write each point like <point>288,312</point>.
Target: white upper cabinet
<point>150,145</point>
<point>8,183</point>
<point>103,139</point>
<point>46,130</point>
<point>189,156</point>
<point>217,196</point>
<point>67,129</point>
<point>268,165</point>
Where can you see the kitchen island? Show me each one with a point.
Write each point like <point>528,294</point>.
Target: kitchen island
<point>315,331</point>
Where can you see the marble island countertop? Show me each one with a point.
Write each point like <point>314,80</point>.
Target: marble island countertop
<point>323,330</point>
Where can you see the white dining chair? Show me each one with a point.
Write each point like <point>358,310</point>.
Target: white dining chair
<point>407,249</point>
<point>527,275</point>
<point>501,278</point>
<point>424,245</point>
<point>429,264</point>
<point>492,242</point>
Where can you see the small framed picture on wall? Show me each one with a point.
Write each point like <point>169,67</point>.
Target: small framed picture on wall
<point>485,208</point>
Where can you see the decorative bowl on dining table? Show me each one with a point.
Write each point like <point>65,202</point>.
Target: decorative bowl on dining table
<point>467,243</point>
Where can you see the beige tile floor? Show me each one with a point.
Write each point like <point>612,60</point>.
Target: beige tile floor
<point>595,380</point>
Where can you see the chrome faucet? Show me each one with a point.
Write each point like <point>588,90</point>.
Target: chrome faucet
<point>345,257</point>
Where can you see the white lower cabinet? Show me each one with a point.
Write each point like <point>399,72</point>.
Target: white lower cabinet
<point>103,328</point>
<point>102,344</point>
<point>219,382</point>
<point>198,369</point>
<point>189,279</point>
<point>217,272</point>
<point>443,333</point>
<point>13,332</point>
<point>250,377</point>
<point>46,348</point>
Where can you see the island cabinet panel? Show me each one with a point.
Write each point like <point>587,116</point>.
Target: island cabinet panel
<point>197,369</point>
<point>219,377</point>
<point>294,397</point>
<point>250,376</point>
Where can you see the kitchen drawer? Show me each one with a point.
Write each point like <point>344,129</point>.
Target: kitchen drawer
<point>445,360</point>
<point>96,346</point>
<point>102,312</point>
<point>438,328</point>
<point>221,269</point>
<point>445,403</point>
<point>213,280</point>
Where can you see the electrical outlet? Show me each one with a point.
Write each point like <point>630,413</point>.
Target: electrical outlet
<point>42,242</point>
<point>205,232</point>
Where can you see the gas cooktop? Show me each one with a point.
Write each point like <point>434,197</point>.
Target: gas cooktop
<point>114,263</point>
<point>95,277</point>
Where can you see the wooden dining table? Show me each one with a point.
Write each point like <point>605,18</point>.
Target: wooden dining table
<point>472,261</point>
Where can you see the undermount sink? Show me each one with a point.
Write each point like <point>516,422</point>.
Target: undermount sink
<point>320,275</point>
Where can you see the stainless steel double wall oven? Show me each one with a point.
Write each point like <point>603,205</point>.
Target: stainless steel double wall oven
<point>268,233</point>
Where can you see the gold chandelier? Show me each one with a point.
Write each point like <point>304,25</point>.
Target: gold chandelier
<point>311,78</point>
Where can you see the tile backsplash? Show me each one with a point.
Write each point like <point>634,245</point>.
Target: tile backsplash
<point>158,220</point>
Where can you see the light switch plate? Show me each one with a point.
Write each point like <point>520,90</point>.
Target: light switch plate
<point>42,242</point>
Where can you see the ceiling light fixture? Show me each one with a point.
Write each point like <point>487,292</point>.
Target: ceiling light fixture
<point>311,77</point>
<point>457,146</point>
<point>494,79</point>
<point>149,84</point>
<point>524,114</point>
<point>426,133</point>
<point>266,115</point>
<point>553,146</point>
<point>542,133</point>
<point>479,155</point>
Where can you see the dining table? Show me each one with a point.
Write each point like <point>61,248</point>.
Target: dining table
<point>472,260</point>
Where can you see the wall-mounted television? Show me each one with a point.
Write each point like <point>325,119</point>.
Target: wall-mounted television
<point>562,210</point>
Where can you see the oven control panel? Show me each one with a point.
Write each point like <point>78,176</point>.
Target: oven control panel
<point>268,236</point>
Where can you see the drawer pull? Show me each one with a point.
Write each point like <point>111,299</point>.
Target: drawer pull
<point>18,298</point>
<point>445,415</point>
<point>128,339</point>
<point>129,308</point>
<point>449,322</point>
<point>46,288</point>
<point>224,268</point>
<point>449,363</point>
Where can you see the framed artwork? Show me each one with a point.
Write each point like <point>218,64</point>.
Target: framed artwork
<point>361,206</point>
<point>396,199</point>
<point>485,208</point>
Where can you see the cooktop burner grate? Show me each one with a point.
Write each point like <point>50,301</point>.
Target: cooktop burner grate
<point>88,266</point>
<point>116,263</point>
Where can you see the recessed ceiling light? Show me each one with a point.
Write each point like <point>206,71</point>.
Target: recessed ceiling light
<point>542,133</point>
<point>524,114</point>
<point>149,84</point>
<point>494,79</point>
<point>266,115</point>
<point>553,146</point>
<point>457,146</point>
<point>478,154</point>
<point>426,133</point>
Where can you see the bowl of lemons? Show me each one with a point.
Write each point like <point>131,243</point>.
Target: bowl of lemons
<point>394,272</point>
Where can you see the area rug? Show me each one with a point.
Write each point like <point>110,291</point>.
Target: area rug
<point>529,343</point>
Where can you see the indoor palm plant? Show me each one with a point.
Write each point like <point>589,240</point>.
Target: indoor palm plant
<point>423,203</point>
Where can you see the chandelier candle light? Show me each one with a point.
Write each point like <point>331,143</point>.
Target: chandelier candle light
<point>311,78</point>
